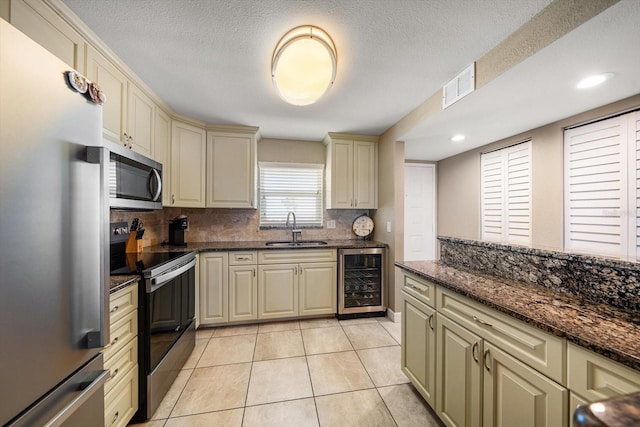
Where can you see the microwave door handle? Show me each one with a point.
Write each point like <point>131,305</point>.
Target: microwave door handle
<point>159,188</point>
<point>160,281</point>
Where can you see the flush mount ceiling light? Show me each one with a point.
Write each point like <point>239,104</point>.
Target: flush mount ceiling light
<point>457,138</point>
<point>594,80</point>
<point>303,65</point>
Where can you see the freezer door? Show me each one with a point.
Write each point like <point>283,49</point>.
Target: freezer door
<point>52,226</point>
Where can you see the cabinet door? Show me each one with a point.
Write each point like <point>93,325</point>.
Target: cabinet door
<point>114,85</point>
<point>161,151</point>
<point>318,288</point>
<point>45,27</point>
<point>341,174</point>
<point>243,293</point>
<point>517,395</point>
<point>574,402</point>
<point>188,159</point>
<point>459,375</point>
<point>277,291</point>
<point>365,175</point>
<point>418,346</point>
<point>213,288</point>
<point>230,170</point>
<point>140,121</point>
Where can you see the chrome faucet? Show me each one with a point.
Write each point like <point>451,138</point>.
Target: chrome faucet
<point>295,232</point>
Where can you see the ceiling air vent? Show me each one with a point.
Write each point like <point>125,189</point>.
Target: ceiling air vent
<point>461,85</point>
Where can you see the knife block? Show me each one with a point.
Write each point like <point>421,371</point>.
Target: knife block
<point>133,245</point>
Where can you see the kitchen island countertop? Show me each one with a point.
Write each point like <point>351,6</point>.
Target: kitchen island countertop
<point>603,329</point>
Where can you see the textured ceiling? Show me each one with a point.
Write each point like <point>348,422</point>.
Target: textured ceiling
<point>210,59</point>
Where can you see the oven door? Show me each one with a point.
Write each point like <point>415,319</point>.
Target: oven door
<point>170,310</point>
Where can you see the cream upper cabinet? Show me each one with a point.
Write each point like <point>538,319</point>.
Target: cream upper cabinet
<point>277,291</point>
<point>231,169</point>
<point>351,174</point>
<point>162,151</point>
<point>419,349</point>
<point>516,395</point>
<point>48,29</point>
<point>459,375</point>
<point>114,84</point>
<point>188,163</point>
<point>213,288</point>
<point>140,121</point>
<point>317,288</point>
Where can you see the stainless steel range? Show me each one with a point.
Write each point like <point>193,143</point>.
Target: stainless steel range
<point>166,319</point>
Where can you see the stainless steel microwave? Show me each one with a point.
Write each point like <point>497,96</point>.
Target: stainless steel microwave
<point>134,181</point>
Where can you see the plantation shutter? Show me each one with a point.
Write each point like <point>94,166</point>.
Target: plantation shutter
<point>634,121</point>
<point>596,188</point>
<point>288,188</point>
<point>506,195</point>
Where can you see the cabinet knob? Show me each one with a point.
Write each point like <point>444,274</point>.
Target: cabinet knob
<point>173,199</point>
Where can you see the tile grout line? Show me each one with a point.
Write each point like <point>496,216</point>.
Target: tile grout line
<point>246,396</point>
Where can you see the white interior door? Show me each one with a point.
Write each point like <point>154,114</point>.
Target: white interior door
<point>419,212</point>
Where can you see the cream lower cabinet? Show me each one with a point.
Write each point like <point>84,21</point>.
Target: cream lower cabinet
<point>287,288</point>
<point>516,395</point>
<point>419,352</point>
<point>243,286</point>
<point>459,378</point>
<point>213,292</point>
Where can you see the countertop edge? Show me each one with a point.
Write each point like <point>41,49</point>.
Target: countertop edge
<point>231,246</point>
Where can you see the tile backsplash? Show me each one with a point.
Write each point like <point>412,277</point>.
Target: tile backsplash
<point>217,225</point>
<point>597,279</point>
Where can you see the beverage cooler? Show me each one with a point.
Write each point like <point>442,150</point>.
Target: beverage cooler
<point>362,282</point>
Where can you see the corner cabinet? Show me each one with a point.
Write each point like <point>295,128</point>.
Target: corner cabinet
<point>231,168</point>
<point>351,175</point>
<point>188,165</point>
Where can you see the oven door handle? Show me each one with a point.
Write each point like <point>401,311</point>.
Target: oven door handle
<point>158,282</point>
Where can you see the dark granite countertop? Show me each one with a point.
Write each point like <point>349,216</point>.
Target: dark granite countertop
<point>601,328</point>
<point>261,245</point>
<point>120,282</point>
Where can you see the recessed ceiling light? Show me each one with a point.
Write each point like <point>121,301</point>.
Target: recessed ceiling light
<point>593,80</point>
<point>457,138</point>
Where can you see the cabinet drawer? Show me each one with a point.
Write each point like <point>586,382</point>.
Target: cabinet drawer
<point>243,258</point>
<point>121,363</point>
<point>123,302</point>
<point>297,255</point>
<point>122,402</point>
<point>596,377</point>
<point>121,333</point>
<point>544,352</point>
<point>421,289</point>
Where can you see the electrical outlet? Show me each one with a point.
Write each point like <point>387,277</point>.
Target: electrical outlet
<point>388,226</point>
<point>331,223</point>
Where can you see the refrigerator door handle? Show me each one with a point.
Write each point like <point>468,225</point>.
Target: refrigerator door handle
<point>77,402</point>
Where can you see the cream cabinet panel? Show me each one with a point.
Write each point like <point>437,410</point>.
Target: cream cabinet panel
<point>297,255</point>
<point>45,27</point>
<point>596,377</point>
<point>243,258</point>
<point>114,85</point>
<point>213,288</point>
<point>188,163</point>
<point>538,349</point>
<point>161,151</point>
<point>516,395</point>
<point>243,293</point>
<point>140,123</point>
<point>317,288</point>
<point>122,303</point>
<point>418,346</point>
<point>277,291</point>
<point>120,364</point>
<point>231,170</point>
<point>351,175</point>
<point>421,289</point>
<point>121,403</point>
<point>459,375</point>
<point>365,175</point>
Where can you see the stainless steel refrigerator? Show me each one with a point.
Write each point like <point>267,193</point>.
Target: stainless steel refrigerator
<point>53,220</point>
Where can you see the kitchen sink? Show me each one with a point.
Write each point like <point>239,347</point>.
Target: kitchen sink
<point>298,243</point>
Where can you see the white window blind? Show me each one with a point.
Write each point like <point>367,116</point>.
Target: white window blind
<point>506,195</point>
<point>288,188</point>
<point>602,187</point>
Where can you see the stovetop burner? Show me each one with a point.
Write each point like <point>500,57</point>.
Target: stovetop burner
<point>123,263</point>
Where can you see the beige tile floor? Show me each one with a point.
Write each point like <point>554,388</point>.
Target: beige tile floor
<point>320,372</point>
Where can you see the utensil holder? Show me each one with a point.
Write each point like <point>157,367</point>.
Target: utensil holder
<point>133,245</point>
